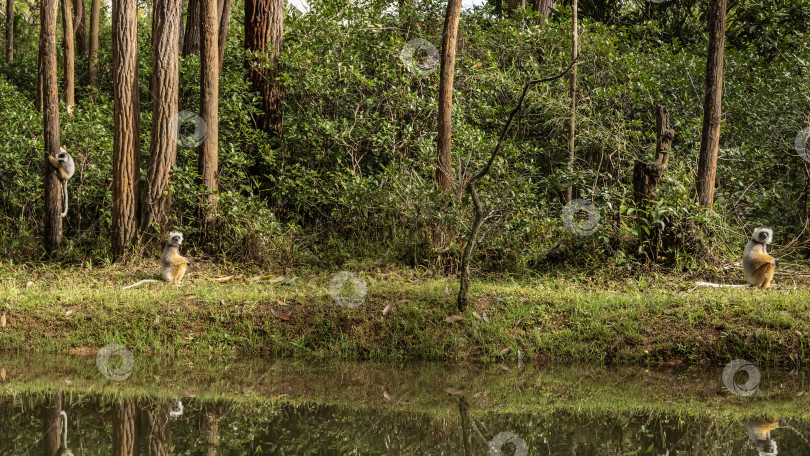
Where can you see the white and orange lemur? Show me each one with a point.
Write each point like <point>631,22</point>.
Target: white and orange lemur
<point>173,265</point>
<point>757,264</point>
<point>63,163</point>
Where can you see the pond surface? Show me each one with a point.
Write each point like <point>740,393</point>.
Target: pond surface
<point>281,407</point>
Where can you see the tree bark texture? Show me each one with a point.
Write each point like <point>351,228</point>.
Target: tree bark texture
<point>50,124</point>
<point>444,167</point>
<point>10,30</point>
<point>264,32</point>
<point>712,105</point>
<point>80,25</point>
<point>224,22</point>
<point>209,107</point>
<point>95,12</point>
<point>191,41</point>
<point>157,201</point>
<point>572,132</point>
<point>70,56</point>
<point>126,108</point>
<point>124,426</point>
<point>544,6</point>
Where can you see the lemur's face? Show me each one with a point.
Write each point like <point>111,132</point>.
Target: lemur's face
<point>175,238</point>
<point>62,157</point>
<point>763,235</point>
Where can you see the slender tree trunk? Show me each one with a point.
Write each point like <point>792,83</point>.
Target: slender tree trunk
<point>50,124</point>
<point>40,64</point>
<point>10,30</point>
<point>211,429</point>
<point>191,42</point>
<point>124,427</point>
<point>80,24</point>
<point>95,12</point>
<point>209,107</point>
<point>182,25</point>
<point>157,201</point>
<point>444,167</point>
<point>126,107</point>
<point>264,29</point>
<point>572,134</point>
<point>51,420</point>
<point>224,21</point>
<point>712,104</point>
<point>70,56</point>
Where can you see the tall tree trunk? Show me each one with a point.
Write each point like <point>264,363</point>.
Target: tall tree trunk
<point>544,6</point>
<point>80,24</point>
<point>712,106</point>
<point>70,56</point>
<point>157,201</point>
<point>40,64</point>
<point>50,124</point>
<point>95,12</point>
<point>51,420</point>
<point>264,28</point>
<point>209,107</point>
<point>191,42</point>
<point>126,107</point>
<point>224,22</point>
<point>10,30</point>
<point>572,134</point>
<point>444,168</point>
<point>182,25</point>
<point>124,427</point>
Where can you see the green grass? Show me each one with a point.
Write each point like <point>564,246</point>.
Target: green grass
<point>552,319</point>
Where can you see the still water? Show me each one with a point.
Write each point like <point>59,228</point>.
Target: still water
<point>281,407</point>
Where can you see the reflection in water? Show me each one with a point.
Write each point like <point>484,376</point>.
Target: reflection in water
<point>759,430</point>
<point>285,408</point>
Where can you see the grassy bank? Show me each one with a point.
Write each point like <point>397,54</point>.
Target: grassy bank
<point>640,321</point>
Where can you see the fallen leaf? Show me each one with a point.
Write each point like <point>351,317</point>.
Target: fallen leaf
<point>222,302</point>
<point>272,279</point>
<point>29,284</point>
<point>221,279</point>
<point>386,396</point>
<point>387,309</point>
<point>517,323</point>
<point>253,279</point>
<point>284,317</point>
<point>447,291</point>
<point>485,317</point>
<point>453,391</point>
<point>3,373</point>
<point>668,312</point>
<point>504,367</point>
<point>3,321</point>
<point>275,312</point>
<point>68,313</point>
<point>505,351</point>
<point>475,314</point>
<point>68,382</point>
<point>453,318</point>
